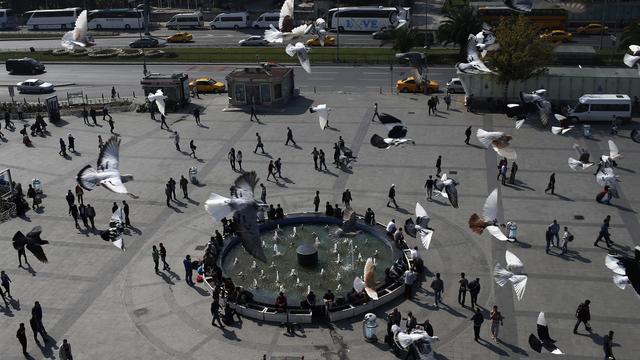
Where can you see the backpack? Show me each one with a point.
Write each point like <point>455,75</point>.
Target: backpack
<point>570,237</point>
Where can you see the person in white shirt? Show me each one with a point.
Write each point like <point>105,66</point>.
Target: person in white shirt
<point>566,237</point>
<point>391,227</point>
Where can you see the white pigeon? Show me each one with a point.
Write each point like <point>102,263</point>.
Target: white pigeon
<point>320,30</point>
<point>421,226</point>
<point>302,52</point>
<point>512,273</point>
<point>542,105</point>
<point>285,21</point>
<point>323,114</point>
<point>107,173</point>
<point>559,130</point>
<point>401,17</point>
<point>406,340</point>
<point>474,64</point>
<point>626,270</point>
<point>369,282</point>
<point>614,153</point>
<point>633,58</point>
<point>606,177</point>
<point>220,207</point>
<point>499,141</point>
<point>78,37</point>
<point>486,40</point>
<point>489,220</point>
<point>274,35</point>
<point>447,188</point>
<point>386,143</point>
<point>583,159</point>
<point>576,165</point>
<point>118,219</point>
<point>158,97</point>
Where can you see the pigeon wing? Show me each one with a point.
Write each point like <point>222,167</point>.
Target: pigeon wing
<point>513,262</point>
<point>114,184</point>
<point>34,235</point>
<point>218,206</point>
<point>37,251</point>
<point>87,178</point>
<point>109,155</point>
<point>379,142</point>
<point>273,35</point>
<point>496,232</point>
<point>249,231</point>
<point>245,185</point>
<point>576,165</point>
<point>422,218</point>
<point>501,275</point>
<point>286,15</point>
<point>631,60</point>
<point>358,284</point>
<point>486,137</point>
<point>452,193</point>
<point>425,238</point>
<point>614,264</point>
<point>507,152</point>
<point>119,243</point>
<point>535,343</point>
<point>19,240</point>
<point>410,228</point>
<point>614,153</point>
<point>621,281</point>
<point>519,285</point>
<point>490,207</point>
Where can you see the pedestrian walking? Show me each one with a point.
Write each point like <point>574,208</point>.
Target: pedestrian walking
<point>4,299</point>
<point>270,171</point>
<point>336,154</point>
<point>82,211</point>
<point>316,201</point>
<point>36,313</point>
<point>70,198</point>
<point>163,257</point>
<point>447,100</point>
<point>474,290</point>
<point>604,233</point>
<point>8,124</point>
<point>93,113</point>
<point>152,110</point>
<point>63,148</point>
<point>163,122</point>
<point>438,165</point>
<point>409,278</point>
<point>477,319</point>
<point>167,193</point>
<point>72,143</point>
<point>552,184</point>
<point>5,281</point>
<point>176,140</point>
<point>22,338</point>
<point>155,255</point>
<point>91,214</point>
<point>437,285</point>
<point>193,147</point>
<point>467,134</point>
<point>436,102</point>
<point>322,161</point>
<point>566,238</point>
<point>35,329</point>
<point>263,193</point>
<point>315,155</point>
<point>196,113</point>
<point>231,155</point>
<point>496,321</point>
<point>105,112</point>
<point>554,228</point>
<point>85,115</point>
<point>125,209</point>
<point>183,186</point>
<point>79,194</point>
<point>583,315</point>
<point>429,185</point>
<point>253,113</point>
<point>375,112</point>
<point>512,175</point>
<point>430,106</point>
<point>73,211</point>
<point>462,291</point>
<point>215,313</point>
<point>346,198</point>
<point>392,196</point>
<point>113,92</point>
<point>111,125</point>
<point>259,144</point>
<point>607,346</point>
<point>239,160</point>
<point>549,240</point>
<point>278,165</point>
<point>65,351</point>
<point>290,137</point>
<point>172,186</point>
<point>188,269</point>
<point>1,133</point>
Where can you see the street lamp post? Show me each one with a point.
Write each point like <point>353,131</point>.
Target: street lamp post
<point>338,33</point>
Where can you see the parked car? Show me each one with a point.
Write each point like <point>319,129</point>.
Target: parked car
<point>593,29</point>
<point>410,85</point>
<point>253,41</point>
<point>557,36</point>
<point>146,42</point>
<point>207,84</point>
<point>35,86</point>
<point>455,86</point>
<point>24,66</point>
<point>181,37</point>
<point>328,41</point>
<point>383,34</point>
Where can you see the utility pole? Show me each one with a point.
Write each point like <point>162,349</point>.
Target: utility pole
<point>604,8</point>
<point>426,12</point>
<point>338,33</point>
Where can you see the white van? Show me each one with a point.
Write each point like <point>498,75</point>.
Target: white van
<point>230,21</point>
<point>602,107</point>
<point>265,19</point>
<point>184,21</point>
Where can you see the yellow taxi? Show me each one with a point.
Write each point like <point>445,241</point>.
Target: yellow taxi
<point>557,36</point>
<point>328,41</point>
<point>593,29</point>
<point>181,37</point>
<point>207,84</point>
<point>410,85</point>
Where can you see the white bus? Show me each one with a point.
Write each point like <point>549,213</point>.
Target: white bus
<point>364,18</point>
<point>8,19</point>
<point>116,19</point>
<point>62,19</point>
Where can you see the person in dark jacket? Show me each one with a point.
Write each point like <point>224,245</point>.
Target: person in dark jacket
<point>392,196</point>
<point>474,290</point>
<point>583,314</point>
<point>125,209</point>
<point>188,269</point>
<point>467,134</point>
<point>82,210</point>
<point>91,214</point>
<point>36,313</point>
<point>22,338</point>
<point>552,184</point>
<point>607,346</point>
<point>73,211</point>
<point>215,313</point>
<point>70,198</point>
<point>183,185</point>
<point>477,319</point>
<point>328,210</point>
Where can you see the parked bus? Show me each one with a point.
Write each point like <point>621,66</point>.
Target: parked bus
<point>265,19</point>
<point>545,19</point>
<point>8,19</point>
<point>364,18</point>
<point>62,19</point>
<point>116,19</point>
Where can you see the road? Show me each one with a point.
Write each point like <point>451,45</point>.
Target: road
<point>98,79</point>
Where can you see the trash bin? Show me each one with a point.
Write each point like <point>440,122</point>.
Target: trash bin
<point>369,325</point>
<point>37,185</point>
<point>193,175</point>
<point>586,128</point>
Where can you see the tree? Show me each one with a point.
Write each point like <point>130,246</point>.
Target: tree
<point>522,53</point>
<point>459,23</point>
<point>630,35</point>
<point>405,38</point>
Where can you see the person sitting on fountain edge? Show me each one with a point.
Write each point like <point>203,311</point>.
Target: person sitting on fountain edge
<point>281,302</point>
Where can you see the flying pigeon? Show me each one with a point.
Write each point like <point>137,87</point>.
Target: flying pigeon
<point>499,141</point>
<point>606,177</point>
<point>302,52</point>
<point>540,108</point>
<point>323,114</point>
<point>406,340</point>
<point>626,270</point>
<point>614,153</point>
<point>516,111</point>
<point>319,28</point>
<point>369,282</point>
<point>32,242</point>
<point>285,21</point>
<point>244,208</point>
<point>78,37</point>
<point>386,143</point>
<point>115,230</point>
<point>560,130</point>
<point>108,170</point>
<point>512,273</point>
<point>401,17</point>
<point>159,99</point>
<point>633,58</point>
<point>274,35</point>
<point>583,159</point>
<point>474,64</point>
<point>420,226</point>
<point>489,220</point>
<point>417,59</point>
<point>519,5</point>
<point>543,339</point>
<point>446,188</point>
<point>395,135</point>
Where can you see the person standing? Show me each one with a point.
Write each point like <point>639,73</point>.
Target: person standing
<point>65,351</point>
<point>167,193</point>
<point>259,145</point>
<point>503,174</point>
<point>263,193</point>
<point>93,115</point>
<point>231,155</point>
<point>70,198</point>
<point>437,286</point>
<point>239,160</point>
<point>429,185</point>
<point>163,257</point>
<point>512,175</point>
<point>322,161</point>
<point>155,255</point>
<point>607,346</point>
<point>163,122</point>
<point>392,196</point>
<point>36,313</point>
<point>215,313</point>
<point>125,209</point>
<point>270,170</point>
<point>552,184</point>
<point>35,329</point>
<point>411,322</point>
<point>72,143</point>
<point>79,194</point>
<point>63,148</point>
<point>5,281</point>
<point>82,211</point>
<point>290,137</point>
<point>196,113</point>
<point>566,237</point>
<point>111,125</point>
<point>439,165</point>
<point>462,291</point>
<point>467,134</point>
<point>477,319</point>
<point>604,233</point>
<point>315,154</point>
<point>73,211</point>
<point>91,214</point>
<point>549,240</point>
<point>346,198</point>
<point>447,100</point>
<point>375,112</point>
<point>22,338</point>
<point>183,185</point>
<point>554,228</point>
<point>316,201</point>
<point>176,140</point>
<point>113,92</point>
<point>85,115</point>
<point>496,322</point>
<point>188,269</point>
<point>193,147</point>
<point>583,315</point>
<point>474,290</point>
<point>409,279</point>
<point>253,113</point>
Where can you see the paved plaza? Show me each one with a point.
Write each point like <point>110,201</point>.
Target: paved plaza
<point>111,305</point>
